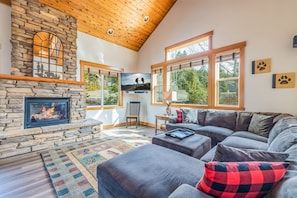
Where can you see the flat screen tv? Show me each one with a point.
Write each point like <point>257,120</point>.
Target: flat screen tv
<point>135,82</point>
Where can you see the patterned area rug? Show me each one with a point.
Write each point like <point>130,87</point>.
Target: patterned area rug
<point>72,169</point>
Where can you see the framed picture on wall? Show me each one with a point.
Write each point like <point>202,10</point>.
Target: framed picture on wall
<point>261,66</point>
<point>283,80</point>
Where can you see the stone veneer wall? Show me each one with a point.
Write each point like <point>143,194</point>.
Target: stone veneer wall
<point>16,140</point>
<point>29,17</point>
<point>35,139</point>
<point>13,91</point>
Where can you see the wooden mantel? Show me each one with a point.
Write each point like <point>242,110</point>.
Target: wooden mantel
<point>50,80</point>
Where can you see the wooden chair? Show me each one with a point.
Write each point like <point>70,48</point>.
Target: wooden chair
<point>133,113</point>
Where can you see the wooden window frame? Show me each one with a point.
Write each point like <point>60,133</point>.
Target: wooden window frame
<point>189,41</point>
<point>214,100</point>
<point>212,81</point>
<point>108,68</point>
<point>164,71</point>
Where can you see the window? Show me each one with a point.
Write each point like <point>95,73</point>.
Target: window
<point>103,85</point>
<point>227,78</point>
<point>188,82</point>
<point>198,44</point>
<point>157,85</point>
<point>208,78</point>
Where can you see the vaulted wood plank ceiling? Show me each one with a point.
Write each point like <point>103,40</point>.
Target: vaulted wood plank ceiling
<point>8,2</point>
<point>124,19</point>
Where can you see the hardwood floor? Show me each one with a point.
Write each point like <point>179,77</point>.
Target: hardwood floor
<point>25,176</point>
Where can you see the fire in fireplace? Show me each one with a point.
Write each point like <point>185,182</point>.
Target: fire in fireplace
<point>46,111</point>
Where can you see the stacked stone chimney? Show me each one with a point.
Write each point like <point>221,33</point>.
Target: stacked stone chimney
<point>29,17</point>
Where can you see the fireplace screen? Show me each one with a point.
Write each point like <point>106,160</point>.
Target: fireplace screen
<point>45,111</point>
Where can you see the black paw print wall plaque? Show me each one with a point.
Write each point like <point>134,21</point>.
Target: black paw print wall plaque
<point>283,80</point>
<point>261,66</point>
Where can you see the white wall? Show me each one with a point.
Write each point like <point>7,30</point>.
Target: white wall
<point>268,26</point>
<point>90,48</point>
<point>96,50</point>
<point>5,45</point>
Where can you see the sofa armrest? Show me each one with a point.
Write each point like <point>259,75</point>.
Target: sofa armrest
<point>186,190</point>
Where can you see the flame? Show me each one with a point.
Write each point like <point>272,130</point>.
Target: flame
<point>43,109</point>
<point>45,113</point>
<point>50,111</point>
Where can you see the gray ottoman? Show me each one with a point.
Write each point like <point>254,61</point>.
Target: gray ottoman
<point>148,171</point>
<point>194,145</point>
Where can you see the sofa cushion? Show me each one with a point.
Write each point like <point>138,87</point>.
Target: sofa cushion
<point>280,126</point>
<point>187,191</point>
<point>231,154</point>
<point>217,134</point>
<point>225,119</point>
<point>201,116</point>
<point>243,120</point>
<point>190,115</point>
<point>179,114</point>
<point>241,179</point>
<point>281,116</point>
<point>284,140</point>
<point>209,155</point>
<point>240,142</point>
<point>292,151</point>
<point>250,135</point>
<point>261,124</point>
<point>286,188</point>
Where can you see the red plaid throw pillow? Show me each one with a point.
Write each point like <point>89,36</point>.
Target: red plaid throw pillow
<point>179,114</point>
<point>241,179</point>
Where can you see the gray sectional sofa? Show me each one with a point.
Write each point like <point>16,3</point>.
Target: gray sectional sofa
<point>219,124</point>
<point>155,171</point>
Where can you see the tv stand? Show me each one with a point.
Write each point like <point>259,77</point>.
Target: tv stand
<point>136,91</point>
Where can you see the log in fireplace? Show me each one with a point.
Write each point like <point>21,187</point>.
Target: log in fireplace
<point>46,111</point>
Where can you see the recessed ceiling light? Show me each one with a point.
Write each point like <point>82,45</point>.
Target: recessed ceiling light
<point>146,18</point>
<point>110,31</point>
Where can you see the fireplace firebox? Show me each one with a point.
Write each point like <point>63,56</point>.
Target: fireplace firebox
<point>46,111</point>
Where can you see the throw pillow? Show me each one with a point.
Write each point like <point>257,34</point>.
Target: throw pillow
<point>261,124</point>
<point>284,140</point>
<point>231,154</point>
<point>225,119</point>
<point>179,114</point>
<point>241,179</point>
<point>280,126</point>
<point>201,116</point>
<point>190,115</point>
<point>243,120</point>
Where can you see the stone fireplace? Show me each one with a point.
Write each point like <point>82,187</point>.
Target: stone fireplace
<point>45,111</point>
<point>16,139</point>
<point>18,134</point>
